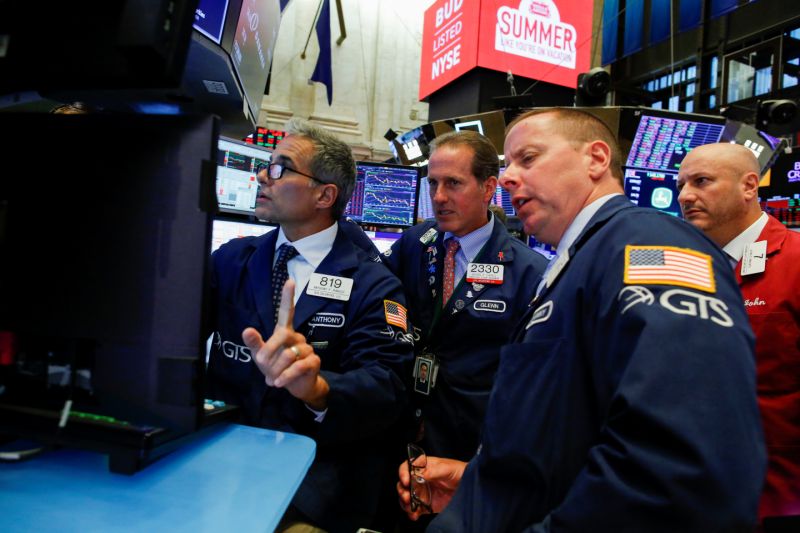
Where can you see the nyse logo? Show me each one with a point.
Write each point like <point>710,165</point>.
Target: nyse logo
<point>679,301</point>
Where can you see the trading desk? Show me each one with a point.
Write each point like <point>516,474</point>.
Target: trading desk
<point>230,478</point>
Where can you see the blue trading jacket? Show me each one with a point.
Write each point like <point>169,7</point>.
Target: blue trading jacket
<point>621,406</point>
<point>363,359</point>
<point>467,335</point>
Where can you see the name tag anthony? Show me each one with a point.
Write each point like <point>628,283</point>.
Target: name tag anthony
<point>485,273</point>
<point>333,287</point>
<point>327,320</point>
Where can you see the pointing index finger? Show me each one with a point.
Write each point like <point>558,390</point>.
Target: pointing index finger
<point>286,310</point>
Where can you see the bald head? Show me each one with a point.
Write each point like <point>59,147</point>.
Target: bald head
<point>734,158</point>
<point>718,186</point>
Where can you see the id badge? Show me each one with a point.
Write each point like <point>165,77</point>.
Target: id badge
<point>326,286</point>
<point>489,273</point>
<point>424,370</point>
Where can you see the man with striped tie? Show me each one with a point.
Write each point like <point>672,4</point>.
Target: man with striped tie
<point>627,400</point>
<point>337,340</point>
<point>467,281</point>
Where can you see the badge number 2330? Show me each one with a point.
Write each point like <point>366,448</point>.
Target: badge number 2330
<point>485,273</point>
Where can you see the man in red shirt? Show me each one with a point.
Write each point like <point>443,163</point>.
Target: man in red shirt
<point>718,186</point>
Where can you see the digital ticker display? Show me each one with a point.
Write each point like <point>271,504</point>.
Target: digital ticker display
<point>384,195</point>
<point>658,149</point>
<point>652,188</point>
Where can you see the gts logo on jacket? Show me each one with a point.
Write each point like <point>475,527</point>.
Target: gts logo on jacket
<point>231,350</point>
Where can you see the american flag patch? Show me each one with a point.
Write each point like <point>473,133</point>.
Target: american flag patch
<point>395,314</point>
<point>667,265</point>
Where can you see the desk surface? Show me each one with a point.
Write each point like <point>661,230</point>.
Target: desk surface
<point>233,478</point>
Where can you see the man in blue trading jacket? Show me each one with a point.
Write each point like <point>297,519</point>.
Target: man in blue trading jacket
<point>627,400</point>
<point>462,316</point>
<point>334,371</point>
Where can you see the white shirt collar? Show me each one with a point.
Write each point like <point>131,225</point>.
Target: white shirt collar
<point>313,248</point>
<point>735,248</point>
<point>580,221</point>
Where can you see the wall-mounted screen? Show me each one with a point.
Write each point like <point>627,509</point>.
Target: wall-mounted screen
<point>209,18</point>
<point>659,141</point>
<point>384,195</point>
<point>253,46</point>
<point>491,125</point>
<point>237,186</point>
<point>266,138</point>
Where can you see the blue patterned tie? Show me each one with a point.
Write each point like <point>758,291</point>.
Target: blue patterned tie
<point>280,273</point>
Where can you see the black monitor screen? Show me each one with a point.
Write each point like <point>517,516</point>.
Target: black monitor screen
<point>237,186</point>
<point>102,284</point>
<point>384,195</point>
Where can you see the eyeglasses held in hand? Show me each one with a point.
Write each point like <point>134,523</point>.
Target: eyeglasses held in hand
<point>418,485</point>
<point>275,171</point>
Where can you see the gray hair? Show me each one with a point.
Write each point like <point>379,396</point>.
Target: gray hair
<point>332,161</point>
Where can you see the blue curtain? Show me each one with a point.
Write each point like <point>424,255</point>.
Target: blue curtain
<point>659,20</point>
<point>634,27</point>
<point>688,14</point>
<point>610,31</point>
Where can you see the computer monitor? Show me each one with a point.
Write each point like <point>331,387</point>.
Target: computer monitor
<point>253,47</point>
<point>545,249</point>
<point>659,140</point>
<point>425,206</point>
<point>781,196</point>
<point>93,46</point>
<point>384,195</point>
<point>653,188</point>
<point>226,229</point>
<point>237,186</point>
<point>764,146</point>
<point>103,275</point>
<point>209,18</point>
<point>491,125</point>
<point>503,198</point>
<point>383,240</point>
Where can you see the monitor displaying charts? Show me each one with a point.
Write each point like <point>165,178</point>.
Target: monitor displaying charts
<point>237,186</point>
<point>384,195</point>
